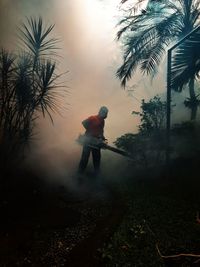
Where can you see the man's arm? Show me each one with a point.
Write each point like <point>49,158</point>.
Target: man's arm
<point>85,123</point>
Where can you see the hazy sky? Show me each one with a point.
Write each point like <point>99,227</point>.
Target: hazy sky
<point>87,29</point>
<point>90,53</point>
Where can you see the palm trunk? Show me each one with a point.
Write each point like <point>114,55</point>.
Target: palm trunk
<point>193,100</point>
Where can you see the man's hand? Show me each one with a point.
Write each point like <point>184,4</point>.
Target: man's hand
<point>105,141</point>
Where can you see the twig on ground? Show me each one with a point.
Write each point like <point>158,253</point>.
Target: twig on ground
<point>198,219</point>
<point>177,255</point>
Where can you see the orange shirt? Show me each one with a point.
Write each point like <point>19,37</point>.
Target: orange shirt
<point>94,126</point>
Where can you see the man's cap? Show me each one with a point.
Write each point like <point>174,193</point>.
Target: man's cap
<point>103,110</point>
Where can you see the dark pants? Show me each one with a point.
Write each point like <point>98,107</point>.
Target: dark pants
<point>96,156</point>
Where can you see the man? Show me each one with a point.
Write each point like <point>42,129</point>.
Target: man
<point>94,126</point>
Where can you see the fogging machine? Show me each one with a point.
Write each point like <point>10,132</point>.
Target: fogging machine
<point>98,143</point>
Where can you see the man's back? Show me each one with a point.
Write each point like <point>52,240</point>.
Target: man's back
<point>94,126</point>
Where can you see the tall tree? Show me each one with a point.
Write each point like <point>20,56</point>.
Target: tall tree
<point>149,32</point>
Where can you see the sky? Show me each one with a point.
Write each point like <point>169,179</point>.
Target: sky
<point>91,54</point>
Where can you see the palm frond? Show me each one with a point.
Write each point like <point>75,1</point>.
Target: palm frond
<point>125,72</point>
<point>48,92</point>
<point>195,13</point>
<point>138,50</point>
<point>23,82</point>
<point>6,62</point>
<point>186,62</point>
<point>132,8</point>
<point>153,57</point>
<point>36,37</point>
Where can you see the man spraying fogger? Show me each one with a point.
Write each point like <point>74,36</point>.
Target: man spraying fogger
<point>94,126</point>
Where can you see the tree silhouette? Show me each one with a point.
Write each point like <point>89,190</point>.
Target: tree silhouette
<point>29,85</point>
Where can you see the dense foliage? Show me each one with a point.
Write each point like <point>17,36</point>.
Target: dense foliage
<point>148,144</point>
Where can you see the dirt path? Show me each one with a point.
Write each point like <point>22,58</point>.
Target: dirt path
<point>86,252</point>
<point>40,229</point>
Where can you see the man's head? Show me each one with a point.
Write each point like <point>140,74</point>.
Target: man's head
<point>103,112</point>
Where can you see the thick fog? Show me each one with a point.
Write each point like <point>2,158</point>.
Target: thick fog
<point>89,51</point>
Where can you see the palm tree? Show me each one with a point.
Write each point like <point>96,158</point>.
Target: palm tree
<point>148,34</point>
<point>28,85</point>
<point>185,69</point>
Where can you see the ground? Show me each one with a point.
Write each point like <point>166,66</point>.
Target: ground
<point>121,223</point>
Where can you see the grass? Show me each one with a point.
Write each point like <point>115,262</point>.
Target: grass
<point>149,209</point>
<point>159,211</point>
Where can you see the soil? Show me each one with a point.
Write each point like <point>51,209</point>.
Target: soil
<point>44,225</point>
